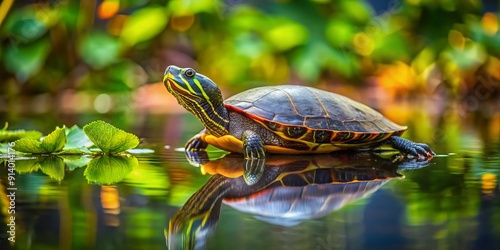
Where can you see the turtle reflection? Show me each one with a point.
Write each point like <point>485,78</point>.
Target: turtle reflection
<point>288,190</point>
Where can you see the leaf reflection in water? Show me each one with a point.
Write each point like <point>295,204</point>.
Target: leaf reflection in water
<point>108,169</point>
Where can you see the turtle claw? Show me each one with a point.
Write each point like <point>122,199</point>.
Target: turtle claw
<point>421,151</point>
<point>196,158</point>
<point>428,150</point>
<point>196,143</point>
<point>253,147</point>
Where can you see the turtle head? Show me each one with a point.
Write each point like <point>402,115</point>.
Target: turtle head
<point>200,96</point>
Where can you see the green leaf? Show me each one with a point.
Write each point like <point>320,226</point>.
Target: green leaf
<point>99,50</point>
<point>55,141</point>
<point>27,165</point>
<point>12,135</point>
<point>25,60</point>
<point>76,138</point>
<point>182,7</point>
<point>53,166</point>
<point>340,32</point>
<point>75,161</point>
<point>109,138</point>
<point>4,148</point>
<point>24,25</point>
<point>286,35</point>
<point>29,146</point>
<point>144,24</point>
<point>107,169</point>
<point>74,151</point>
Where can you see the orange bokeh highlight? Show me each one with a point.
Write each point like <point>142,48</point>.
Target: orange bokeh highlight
<point>490,23</point>
<point>108,9</point>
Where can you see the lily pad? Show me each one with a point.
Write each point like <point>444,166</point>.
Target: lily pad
<point>109,138</point>
<point>107,169</point>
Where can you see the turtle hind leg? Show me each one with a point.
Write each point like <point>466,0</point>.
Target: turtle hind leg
<point>253,146</point>
<point>419,150</point>
<point>196,143</point>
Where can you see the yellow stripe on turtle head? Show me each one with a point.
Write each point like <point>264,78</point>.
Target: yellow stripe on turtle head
<point>167,76</point>
<point>201,88</point>
<point>188,85</point>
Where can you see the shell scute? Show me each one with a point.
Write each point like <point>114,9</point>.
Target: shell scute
<point>334,124</point>
<point>313,115</point>
<point>316,122</point>
<point>354,126</point>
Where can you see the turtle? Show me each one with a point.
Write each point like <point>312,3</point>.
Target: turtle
<point>283,119</point>
<point>293,188</point>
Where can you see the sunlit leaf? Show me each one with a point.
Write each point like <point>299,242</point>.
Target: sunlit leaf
<point>109,138</point>
<point>109,169</point>
<point>29,146</point>
<point>144,24</point>
<point>53,166</point>
<point>76,138</point>
<point>54,141</point>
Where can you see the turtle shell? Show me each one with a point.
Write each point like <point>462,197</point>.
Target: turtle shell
<point>303,192</point>
<point>288,206</point>
<point>308,114</point>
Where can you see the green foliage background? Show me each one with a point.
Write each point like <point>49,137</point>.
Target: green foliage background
<point>414,47</point>
<point>115,46</point>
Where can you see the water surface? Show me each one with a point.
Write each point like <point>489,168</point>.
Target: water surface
<point>451,203</point>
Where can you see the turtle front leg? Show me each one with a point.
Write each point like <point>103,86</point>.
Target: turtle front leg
<point>420,150</point>
<point>196,143</point>
<point>253,146</point>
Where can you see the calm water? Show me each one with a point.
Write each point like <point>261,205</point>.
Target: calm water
<point>343,201</point>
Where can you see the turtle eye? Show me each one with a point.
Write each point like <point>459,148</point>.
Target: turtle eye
<point>189,73</point>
